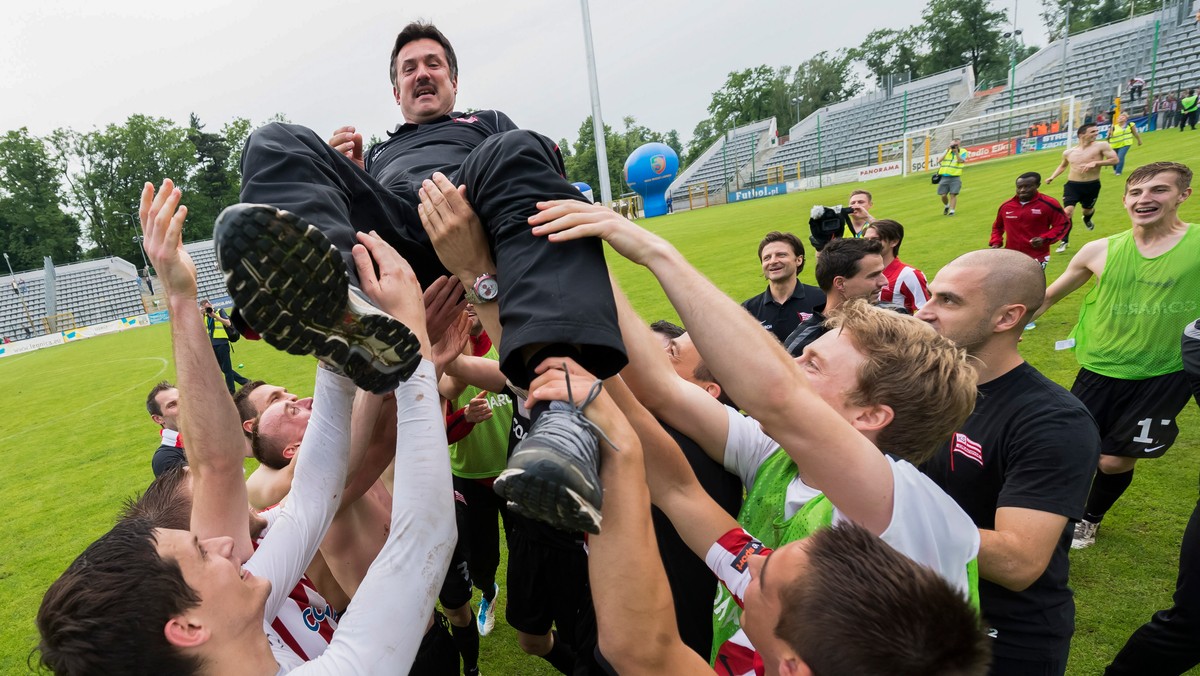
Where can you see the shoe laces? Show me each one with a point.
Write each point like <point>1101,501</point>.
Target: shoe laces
<point>563,425</point>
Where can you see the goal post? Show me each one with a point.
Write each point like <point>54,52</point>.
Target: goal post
<point>889,151</point>
<point>1045,124</point>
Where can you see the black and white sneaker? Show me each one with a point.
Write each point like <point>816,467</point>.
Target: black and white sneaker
<point>290,285</point>
<point>1087,222</point>
<point>554,473</point>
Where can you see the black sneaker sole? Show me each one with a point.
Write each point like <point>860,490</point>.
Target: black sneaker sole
<point>290,285</point>
<point>539,487</point>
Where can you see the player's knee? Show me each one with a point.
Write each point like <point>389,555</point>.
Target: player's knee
<point>535,644</point>
<point>1116,464</point>
<point>461,616</point>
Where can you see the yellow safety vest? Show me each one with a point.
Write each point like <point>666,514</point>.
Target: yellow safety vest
<point>1120,137</point>
<point>952,163</point>
<point>217,330</point>
<point>1189,104</point>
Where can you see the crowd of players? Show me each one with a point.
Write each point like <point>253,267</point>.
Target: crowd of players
<point>917,484</point>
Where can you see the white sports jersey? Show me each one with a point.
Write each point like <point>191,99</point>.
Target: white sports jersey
<point>305,623</point>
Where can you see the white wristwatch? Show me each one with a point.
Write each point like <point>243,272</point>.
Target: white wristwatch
<point>484,290</point>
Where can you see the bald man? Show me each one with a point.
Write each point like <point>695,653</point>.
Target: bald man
<point>1021,464</point>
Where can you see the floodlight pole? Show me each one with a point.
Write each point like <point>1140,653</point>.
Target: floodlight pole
<point>1062,71</point>
<point>597,118</point>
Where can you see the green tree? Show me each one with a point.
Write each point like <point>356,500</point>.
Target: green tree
<point>825,79</point>
<point>749,95</point>
<point>1087,14</point>
<point>581,160</point>
<point>212,185</point>
<point>106,169</point>
<point>32,221</point>
<point>702,137</point>
<point>964,31</point>
<point>888,51</point>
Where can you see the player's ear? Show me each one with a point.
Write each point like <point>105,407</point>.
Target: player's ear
<point>1009,317</point>
<point>874,418</point>
<point>289,451</point>
<point>248,426</point>
<point>184,631</point>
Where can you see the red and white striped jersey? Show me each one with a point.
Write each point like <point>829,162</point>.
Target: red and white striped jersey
<point>728,559</point>
<point>905,284</point>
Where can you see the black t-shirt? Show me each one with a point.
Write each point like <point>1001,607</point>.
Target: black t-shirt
<point>812,328</point>
<point>782,319</point>
<point>415,151</point>
<point>167,457</point>
<point>1029,444</point>
<point>692,583</point>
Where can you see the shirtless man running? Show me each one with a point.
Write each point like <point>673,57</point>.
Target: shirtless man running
<point>1083,179</point>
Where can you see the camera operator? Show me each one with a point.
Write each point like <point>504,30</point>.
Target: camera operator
<point>860,218</point>
<point>949,182</point>
<point>826,223</point>
<point>787,301</point>
<point>221,333</point>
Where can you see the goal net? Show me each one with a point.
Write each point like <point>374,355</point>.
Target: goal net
<point>1036,126</point>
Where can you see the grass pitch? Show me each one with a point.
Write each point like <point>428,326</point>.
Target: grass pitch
<point>75,440</point>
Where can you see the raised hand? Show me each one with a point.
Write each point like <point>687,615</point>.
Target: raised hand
<point>349,143</point>
<point>478,409</point>
<point>454,229</point>
<point>563,220</point>
<point>450,345</point>
<point>395,288</point>
<point>162,218</point>
<point>444,305</point>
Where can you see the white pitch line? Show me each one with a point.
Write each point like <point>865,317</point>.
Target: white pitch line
<point>142,383</point>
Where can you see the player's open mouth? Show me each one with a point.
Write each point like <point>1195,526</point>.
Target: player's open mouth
<point>1145,210</point>
<point>424,91</point>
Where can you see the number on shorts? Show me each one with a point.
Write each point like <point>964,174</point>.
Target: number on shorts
<point>1144,437</point>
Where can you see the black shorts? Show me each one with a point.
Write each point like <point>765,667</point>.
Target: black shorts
<point>1136,417</point>
<point>1191,357</point>
<point>547,586</point>
<point>456,588</point>
<point>437,656</point>
<point>1083,193</point>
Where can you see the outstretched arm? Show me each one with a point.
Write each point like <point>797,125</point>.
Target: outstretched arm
<point>635,615</point>
<point>1062,166</point>
<point>458,238</point>
<point>1089,261</point>
<point>674,488</point>
<point>771,387</point>
<point>208,419</point>
<point>382,629</point>
<point>652,379</point>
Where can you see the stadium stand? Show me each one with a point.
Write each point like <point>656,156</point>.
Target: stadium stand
<point>1098,61</point>
<point>210,282</point>
<point>91,292</point>
<point>851,131</point>
<point>720,164</point>
<point>1178,66</point>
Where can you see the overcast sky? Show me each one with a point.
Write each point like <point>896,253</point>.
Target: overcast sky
<point>85,63</point>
